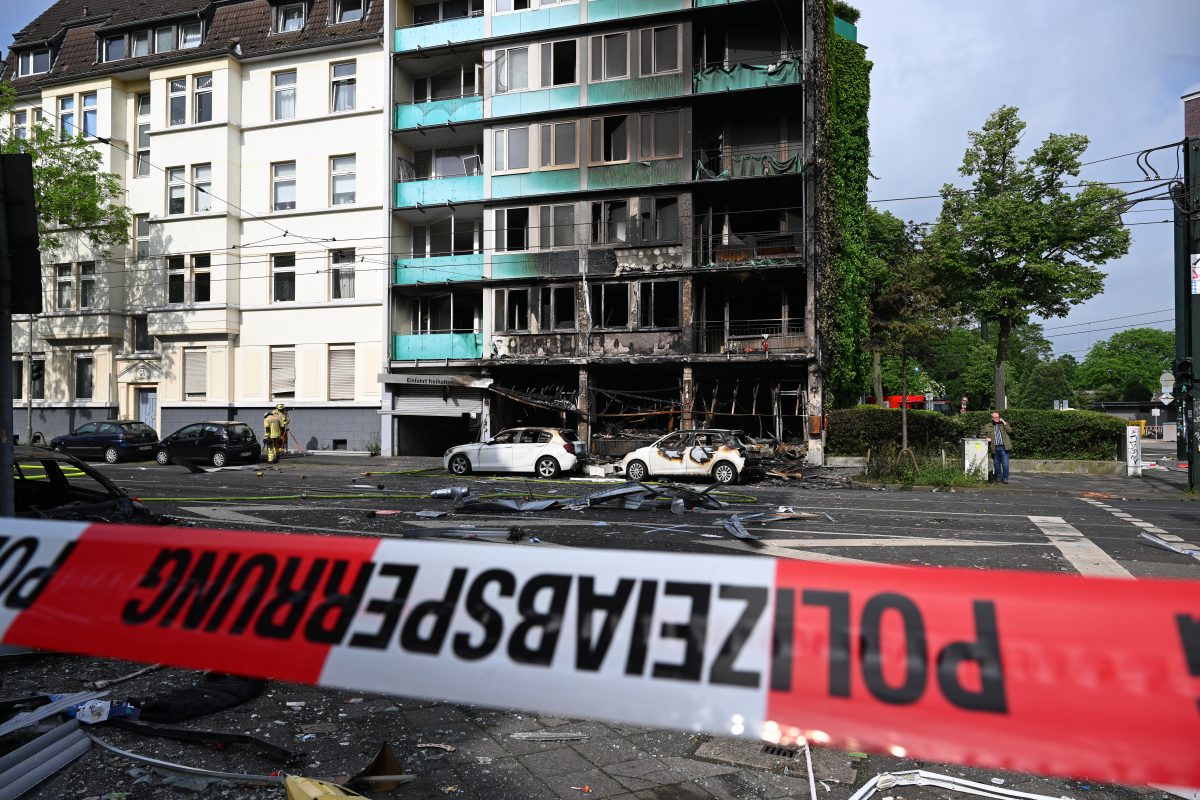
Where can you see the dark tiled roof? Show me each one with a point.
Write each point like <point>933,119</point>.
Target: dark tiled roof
<point>238,26</point>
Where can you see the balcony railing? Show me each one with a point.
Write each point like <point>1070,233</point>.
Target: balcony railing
<point>779,158</point>
<point>453,110</point>
<point>440,34</point>
<point>443,346</point>
<point>751,336</point>
<point>413,190</point>
<point>724,77</point>
<point>750,249</point>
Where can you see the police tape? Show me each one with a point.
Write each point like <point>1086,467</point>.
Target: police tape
<point>1031,672</point>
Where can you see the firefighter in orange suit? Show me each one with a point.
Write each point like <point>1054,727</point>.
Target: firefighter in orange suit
<point>275,431</point>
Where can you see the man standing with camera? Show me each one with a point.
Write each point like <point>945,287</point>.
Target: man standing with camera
<point>999,437</point>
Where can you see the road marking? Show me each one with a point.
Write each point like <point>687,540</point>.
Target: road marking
<point>903,541</point>
<point>768,548</point>
<point>1084,555</point>
<point>223,514</point>
<point>1149,527</point>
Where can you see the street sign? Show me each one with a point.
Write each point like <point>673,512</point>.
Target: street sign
<point>1166,399</point>
<point>1167,381</point>
<point>1154,412</point>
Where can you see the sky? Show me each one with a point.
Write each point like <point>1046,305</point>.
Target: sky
<point>1113,70</point>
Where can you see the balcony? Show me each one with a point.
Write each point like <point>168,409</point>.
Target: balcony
<point>637,174</point>
<point>748,250</point>
<point>721,77</point>
<point>531,183</point>
<point>845,29</point>
<point>651,87</point>
<point>85,324</point>
<point>535,101</point>
<point>751,337</point>
<point>604,10</point>
<point>782,158</point>
<point>439,191</point>
<point>439,34</point>
<point>437,346</point>
<point>535,20</point>
<point>410,116</point>
<point>439,269</point>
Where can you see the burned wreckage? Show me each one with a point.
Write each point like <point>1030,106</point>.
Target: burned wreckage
<point>51,485</point>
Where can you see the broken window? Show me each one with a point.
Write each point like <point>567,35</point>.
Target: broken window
<point>451,236</point>
<point>558,144</point>
<point>658,305</point>
<point>558,63</point>
<point>556,309</point>
<point>610,57</point>
<point>610,305</point>
<point>558,226</point>
<point>512,310</point>
<point>512,229</point>
<point>610,139</point>
<point>512,69</point>
<point>660,219</point>
<point>660,50</point>
<point>660,134</point>
<point>610,222</point>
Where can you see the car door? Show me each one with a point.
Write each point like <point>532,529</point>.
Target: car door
<point>79,440</point>
<point>108,435</point>
<point>186,442</point>
<point>531,444</point>
<point>210,440</point>
<point>701,454</point>
<point>669,453</point>
<point>496,455</point>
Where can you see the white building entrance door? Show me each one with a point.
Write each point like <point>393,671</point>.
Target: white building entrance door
<point>148,406</point>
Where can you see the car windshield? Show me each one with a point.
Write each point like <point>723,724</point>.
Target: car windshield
<point>44,484</point>
<point>240,433</point>
<point>137,428</point>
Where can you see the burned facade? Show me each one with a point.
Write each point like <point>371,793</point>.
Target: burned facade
<point>603,218</point>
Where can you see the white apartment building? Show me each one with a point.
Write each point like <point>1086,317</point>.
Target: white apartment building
<point>251,139</point>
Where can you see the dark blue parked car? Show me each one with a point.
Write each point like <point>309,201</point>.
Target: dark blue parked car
<point>114,440</point>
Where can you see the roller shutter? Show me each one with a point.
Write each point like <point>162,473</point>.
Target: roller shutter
<point>341,373</point>
<point>426,401</point>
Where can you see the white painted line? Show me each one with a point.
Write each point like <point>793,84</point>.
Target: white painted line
<point>1141,524</point>
<point>1083,554</point>
<point>774,551</point>
<point>1170,537</point>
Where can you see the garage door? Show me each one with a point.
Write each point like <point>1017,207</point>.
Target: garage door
<point>438,402</point>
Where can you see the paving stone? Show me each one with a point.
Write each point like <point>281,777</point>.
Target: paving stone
<point>558,762</point>
<point>506,779</point>
<point>481,746</point>
<point>681,791</point>
<point>667,743</point>
<point>834,765</point>
<point>601,785</point>
<point>689,769</point>
<point>747,753</point>
<point>434,718</point>
<point>638,768</point>
<point>504,724</point>
<point>603,752</point>
<point>634,784</point>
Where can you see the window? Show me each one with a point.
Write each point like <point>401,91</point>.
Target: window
<point>446,313</point>
<point>84,371</point>
<point>141,235</point>
<point>446,10</point>
<point>610,305</point>
<point>177,101</point>
<point>164,39</point>
<point>202,98</point>
<point>201,188</point>
<point>37,378</point>
<point>283,277</point>
<point>660,135</point>
<point>461,80</point>
<point>201,278</point>
<point>451,236</point>
<point>512,229</point>
<point>283,372</point>
<point>609,140</point>
<point>342,274</point>
<point>20,124</point>
<point>114,48</point>
<point>660,219</point>
<point>558,144</point>
<point>175,190</point>
<point>345,86</point>
<point>139,44</point>
<point>66,117</point>
<point>559,63</point>
<point>349,11</point>
<point>283,186</point>
<point>512,69</point>
<point>446,162</point>
<point>87,284</point>
<point>512,150</point>
<point>176,280</point>
<point>189,35</point>
<point>285,94</point>
<point>143,342</point>
<point>610,222</point>
<point>558,226</point>
<point>34,62</point>
<point>610,57</point>
<point>289,18</point>
<point>557,308</point>
<point>512,5</point>
<point>142,158</point>
<point>18,379</point>
<point>89,114</point>
<point>660,50</point>
<point>63,291</point>
<point>342,179</point>
<point>512,310</point>
<point>341,372</point>
<point>659,304</point>
<point>195,373</point>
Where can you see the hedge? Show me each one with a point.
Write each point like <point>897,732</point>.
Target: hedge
<point>1075,435</point>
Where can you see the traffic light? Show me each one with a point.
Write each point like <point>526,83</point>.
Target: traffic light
<point>1183,378</point>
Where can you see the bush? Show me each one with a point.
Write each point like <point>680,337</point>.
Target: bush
<point>1084,435</point>
<point>852,431</point>
<point>846,11</point>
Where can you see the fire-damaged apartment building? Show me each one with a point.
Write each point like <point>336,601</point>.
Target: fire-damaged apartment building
<point>603,218</point>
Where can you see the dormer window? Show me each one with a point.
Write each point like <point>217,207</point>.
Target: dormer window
<point>289,18</point>
<point>114,48</point>
<point>34,62</point>
<point>164,39</point>
<point>348,11</point>
<point>189,35</point>
<point>139,44</point>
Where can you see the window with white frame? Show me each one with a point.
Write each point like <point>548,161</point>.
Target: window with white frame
<point>201,278</point>
<point>139,43</point>
<point>447,162</point>
<point>285,94</point>
<point>609,305</point>
<point>88,101</point>
<point>341,372</point>
<point>190,35</point>
<point>283,373</point>
<point>444,10</point>
<point>512,229</point>
<point>202,104</point>
<point>446,312</point>
<point>558,226</point>
<point>176,280</point>
<point>283,277</point>
<point>513,5</point>
<point>560,63</point>
<point>34,62</point>
<point>461,80</point>
<point>344,89</point>
<point>66,117</point>
<point>195,373</point>
<point>177,101</point>
<point>114,48</point>
<point>87,284</point>
<point>609,139</point>
<point>610,57</point>
<point>559,145</point>
<point>512,310</point>
<point>143,342</point>
<point>289,18</point>
<point>63,290</point>
<point>511,66</point>
<point>142,157</point>
<point>610,222</point>
<point>658,304</point>
<point>511,149</point>
<point>283,186</point>
<point>341,273</point>
<point>201,188</point>
<point>342,180</point>
<point>141,235</point>
<point>348,10</point>
<point>20,124</point>
<point>176,191</point>
<point>660,135</point>
<point>164,39</point>
<point>556,308</point>
<point>84,377</point>
<point>451,236</point>
<point>660,50</point>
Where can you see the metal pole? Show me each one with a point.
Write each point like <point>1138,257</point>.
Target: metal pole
<point>1187,304</point>
<point>6,387</point>
<point>29,380</point>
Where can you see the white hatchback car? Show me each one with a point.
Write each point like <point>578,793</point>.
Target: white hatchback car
<point>717,454</point>
<point>543,451</point>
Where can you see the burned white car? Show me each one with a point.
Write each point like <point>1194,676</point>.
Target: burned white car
<point>720,455</point>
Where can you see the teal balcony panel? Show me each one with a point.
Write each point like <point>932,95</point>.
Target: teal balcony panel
<point>746,76</point>
<point>845,29</point>
<point>528,183</point>
<point>438,191</point>
<point>514,265</point>
<point>439,34</point>
<point>439,112</point>
<point>649,88</point>
<point>534,20</point>
<point>439,269</point>
<point>604,10</point>
<point>513,104</point>
<point>637,174</point>
<point>707,3</point>
<point>428,346</point>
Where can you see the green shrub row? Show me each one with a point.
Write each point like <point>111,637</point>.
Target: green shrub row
<point>1080,435</point>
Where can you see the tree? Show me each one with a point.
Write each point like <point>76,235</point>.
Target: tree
<point>1021,241</point>
<point>1128,362</point>
<point>74,197</point>
<point>889,248</point>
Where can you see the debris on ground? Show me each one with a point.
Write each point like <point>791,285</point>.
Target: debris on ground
<point>734,527</point>
<point>920,777</point>
<point>383,773</point>
<point>216,692</point>
<point>449,748</point>
<point>35,761</point>
<point>104,684</point>
<point>300,788</point>
<point>548,736</point>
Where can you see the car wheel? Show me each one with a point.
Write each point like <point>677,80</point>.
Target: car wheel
<point>546,467</point>
<point>162,457</point>
<point>58,448</point>
<point>218,458</point>
<point>724,472</point>
<point>460,464</point>
<point>111,455</point>
<point>637,471</point>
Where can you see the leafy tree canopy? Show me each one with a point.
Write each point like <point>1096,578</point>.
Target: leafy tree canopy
<point>1135,356</point>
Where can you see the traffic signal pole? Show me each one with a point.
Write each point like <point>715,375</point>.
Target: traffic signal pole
<point>1187,304</point>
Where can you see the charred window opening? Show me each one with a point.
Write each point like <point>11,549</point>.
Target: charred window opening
<point>449,312</point>
<point>660,219</point>
<point>658,305</point>
<point>512,310</point>
<point>610,305</point>
<point>512,229</point>
<point>610,222</point>
<point>556,308</point>
<point>558,226</point>
<point>559,63</point>
<point>610,139</point>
